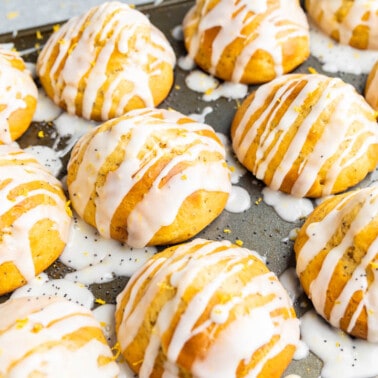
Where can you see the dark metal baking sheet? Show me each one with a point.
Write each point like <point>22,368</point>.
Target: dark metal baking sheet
<point>260,228</point>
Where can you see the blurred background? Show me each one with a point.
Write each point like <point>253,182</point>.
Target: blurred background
<point>22,14</point>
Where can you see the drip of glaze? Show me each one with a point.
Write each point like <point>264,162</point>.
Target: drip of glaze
<point>105,316</point>
<point>43,286</point>
<point>177,33</point>
<point>228,90</point>
<point>71,128</point>
<point>302,351</point>
<point>200,117</point>
<point>47,157</point>
<point>201,82</point>
<point>336,57</point>
<point>99,260</point>
<point>239,200</point>
<point>289,208</point>
<point>46,110</point>
<point>186,63</point>
<point>32,68</point>
<point>342,355</point>
<point>290,282</point>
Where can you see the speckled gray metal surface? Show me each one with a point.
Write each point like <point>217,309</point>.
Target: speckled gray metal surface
<point>260,228</point>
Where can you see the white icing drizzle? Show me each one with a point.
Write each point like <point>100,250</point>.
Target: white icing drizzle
<point>16,84</point>
<point>42,286</point>
<point>32,68</point>
<point>342,355</point>
<point>239,200</point>
<point>165,199</point>
<point>105,316</point>
<point>289,208</point>
<point>112,24</point>
<point>200,117</point>
<point>336,57</point>
<point>274,26</point>
<point>290,282</point>
<point>15,245</point>
<point>371,91</point>
<point>319,234</point>
<point>35,336</point>
<point>46,157</point>
<point>177,33</point>
<point>228,90</point>
<point>334,136</point>
<point>46,109</point>
<point>99,260</point>
<point>199,81</point>
<point>186,63</point>
<point>361,13</point>
<point>302,351</point>
<point>238,340</point>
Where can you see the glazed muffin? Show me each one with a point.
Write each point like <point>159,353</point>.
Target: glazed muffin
<point>371,87</point>
<point>150,177</point>
<point>247,42</point>
<point>41,336</point>
<point>35,223</point>
<point>206,309</point>
<point>337,261</point>
<point>107,62</point>
<point>18,97</point>
<point>306,135</point>
<point>353,23</point>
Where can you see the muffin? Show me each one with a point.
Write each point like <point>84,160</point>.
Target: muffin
<point>247,42</point>
<point>337,261</point>
<point>306,135</point>
<point>150,177</point>
<point>18,97</point>
<point>106,62</point>
<point>42,336</point>
<point>206,309</point>
<point>371,87</point>
<point>34,224</point>
<point>353,23</point>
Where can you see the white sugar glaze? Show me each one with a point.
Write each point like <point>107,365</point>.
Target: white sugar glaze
<point>239,200</point>
<point>32,338</point>
<point>98,260</point>
<point>211,88</point>
<point>269,35</point>
<point>319,234</point>
<point>42,286</point>
<point>340,58</point>
<point>342,355</point>
<point>47,157</point>
<point>15,85</point>
<point>288,207</point>
<point>118,24</point>
<point>46,109</point>
<point>246,334</point>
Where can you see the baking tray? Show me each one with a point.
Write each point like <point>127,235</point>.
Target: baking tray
<point>260,228</point>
